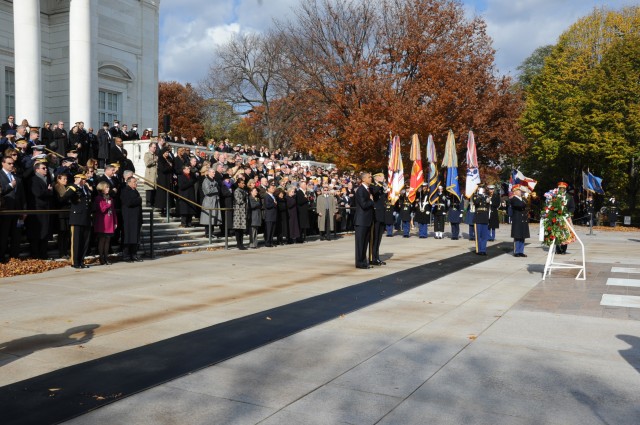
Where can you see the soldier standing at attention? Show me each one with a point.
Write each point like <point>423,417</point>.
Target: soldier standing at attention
<point>79,220</point>
<point>481,201</point>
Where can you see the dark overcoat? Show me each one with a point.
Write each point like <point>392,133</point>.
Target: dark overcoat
<point>519,218</point>
<point>131,215</point>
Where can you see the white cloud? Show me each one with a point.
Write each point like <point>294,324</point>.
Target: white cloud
<point>518,27</point>
<point>190,29</point>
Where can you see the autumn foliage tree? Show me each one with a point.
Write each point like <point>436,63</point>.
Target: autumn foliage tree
<point>188,110</point>
<point>403,66</point>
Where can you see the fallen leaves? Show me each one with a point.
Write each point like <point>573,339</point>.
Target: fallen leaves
<point>472,337</point>
<point>15,267</point>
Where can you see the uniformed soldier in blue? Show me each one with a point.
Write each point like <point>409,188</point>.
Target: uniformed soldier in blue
<point>423,211</point>
<point>481,203</point>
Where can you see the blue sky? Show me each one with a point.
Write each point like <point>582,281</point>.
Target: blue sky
<point>190,29</point>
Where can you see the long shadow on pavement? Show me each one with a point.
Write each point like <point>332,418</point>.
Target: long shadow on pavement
<point>87,386</point>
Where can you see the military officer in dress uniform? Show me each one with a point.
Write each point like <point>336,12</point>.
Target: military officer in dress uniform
<point>455,218</point>
<point>570,209</point>
<point>519,221</point>
<point>389,216</point>
<point>79,220</point>
<point>423,211</point>
<point>494,218</point>
<point>481,202</point>
<point>406,209</point>
<point>440,207</point>
<point>379,193</point>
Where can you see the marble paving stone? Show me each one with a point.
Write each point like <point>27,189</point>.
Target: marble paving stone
<point>625,269</point>
<point>341,404</point>
<point>170,406</point>
<point>264,385</point>
<point>614,281</point>
<point>310,418</point>
<point>620,300</point>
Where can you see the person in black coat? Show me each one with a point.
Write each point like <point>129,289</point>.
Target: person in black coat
<point>292,212</point>
<point>39,197</point>
<point>379,195</point>
<point>186,189</point>
<point>270,215</point>
<point>363,221</point>
<point>255,217</point>
<point>46,135</point>
<point>494,218</point>
<point>131,202</point>
<point>12,194</point>
<point>226,202</point>
<point>519,221</point>
<point>282,225</point>
<point>79,220</point>
<point>303,210</point>
<point>116,154</point>
<point>105,140</point>
<point>60,139</point>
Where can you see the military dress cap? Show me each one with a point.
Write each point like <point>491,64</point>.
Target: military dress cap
<point>21,142</point>
<point>563,184</point>
<point>491,186</point>
<point>378,175</point>
<point>115,164</point>
<point>80,176</point>
<point>41,160</point>
<point>105,124</point>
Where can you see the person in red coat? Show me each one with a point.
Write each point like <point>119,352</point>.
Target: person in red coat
<point>105,220</point>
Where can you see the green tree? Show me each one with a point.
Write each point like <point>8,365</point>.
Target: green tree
<point>567,117</point>
<point>532,66</point>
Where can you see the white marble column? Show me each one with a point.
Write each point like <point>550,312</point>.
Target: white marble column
<point>83,75</point>
<point>28,61</point>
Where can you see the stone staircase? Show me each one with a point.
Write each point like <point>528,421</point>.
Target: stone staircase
<point>168,237</point>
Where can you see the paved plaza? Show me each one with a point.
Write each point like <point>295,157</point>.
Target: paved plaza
<point>297,335</point>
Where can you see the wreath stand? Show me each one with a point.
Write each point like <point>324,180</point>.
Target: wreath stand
<point>551,264</point>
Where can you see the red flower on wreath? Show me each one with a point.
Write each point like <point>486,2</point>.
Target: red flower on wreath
<point>553,219</point>
<point>552,237</point>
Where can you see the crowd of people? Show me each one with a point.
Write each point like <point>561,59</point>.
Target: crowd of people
<point>235,190</point>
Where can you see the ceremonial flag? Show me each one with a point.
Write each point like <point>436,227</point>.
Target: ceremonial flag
<point>592,183</point>
<point>396,171</point>
<point>434,177</point>
<point>450,160</point>
<point>518,178</point>
<point>417,177</point>
<point>473,175</point>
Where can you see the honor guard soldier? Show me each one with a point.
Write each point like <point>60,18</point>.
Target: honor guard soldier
<point>379,192</point>
<point>423,211</point>
<point>389,216</point>
<point>406,208</point>
<point>481,202</point>
<point>79,220</point>
<point>519,221</point>
<point>440,207</point>
<point>455,218</point>
<point>568,213</point>
<point>494,218</point>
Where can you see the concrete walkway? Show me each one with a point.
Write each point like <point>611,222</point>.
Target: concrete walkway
<point>489,344</point>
